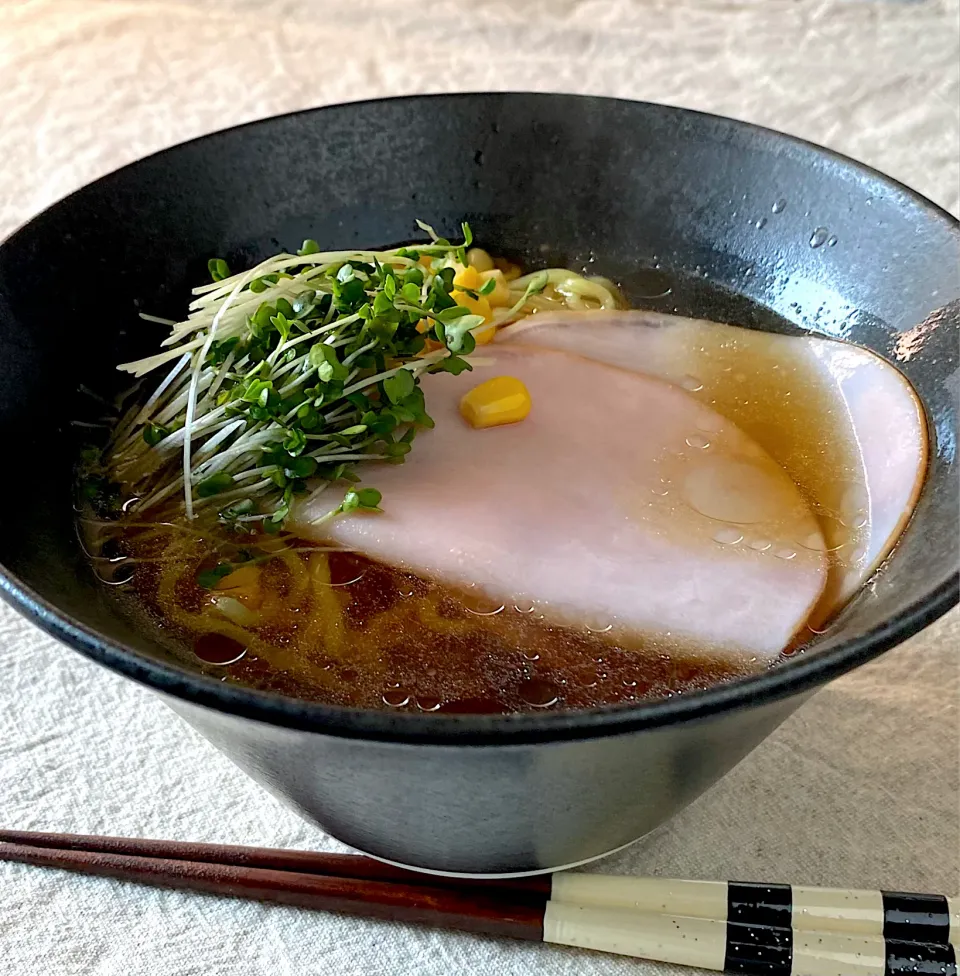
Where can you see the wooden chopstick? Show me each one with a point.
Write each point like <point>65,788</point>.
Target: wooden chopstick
<point>471,910</point>
<point>307,862</point>
<point>726,926</point>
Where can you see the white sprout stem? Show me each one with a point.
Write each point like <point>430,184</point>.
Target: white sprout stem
<point>338,412</point>
<point>126,423</point>
<point>246,445</point>
<point>377,378</point>
<point>356,355</point>
<point>293,384</point>
<point>321,456</point>
<point>158,319</point>
<point>219,378</point>
<point>155,397</point>
<point>228,496</point>
<point>281,262</point>
<point>194,382</point>
<point>307,336</point>
<point>252,472</point>
<point>228,430</point>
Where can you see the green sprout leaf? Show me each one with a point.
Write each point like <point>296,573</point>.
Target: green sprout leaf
<point>324,359</point>
<point>154,433</point>
<point>218,268</point>
<point>215,484</point>
<point>324,371</point>
<point>209,578</point>
<point>399,386</point>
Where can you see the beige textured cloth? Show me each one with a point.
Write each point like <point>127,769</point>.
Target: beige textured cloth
<point>859,788</point>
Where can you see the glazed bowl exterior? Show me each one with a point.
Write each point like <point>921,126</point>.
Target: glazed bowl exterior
<point>750,225</point>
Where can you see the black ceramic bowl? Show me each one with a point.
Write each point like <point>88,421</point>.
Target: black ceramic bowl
<point>741,219</point>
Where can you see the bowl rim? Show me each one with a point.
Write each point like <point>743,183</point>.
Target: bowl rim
<point>795,677</point>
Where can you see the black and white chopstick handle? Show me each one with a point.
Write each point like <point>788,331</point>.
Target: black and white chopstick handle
<point>773,930</point>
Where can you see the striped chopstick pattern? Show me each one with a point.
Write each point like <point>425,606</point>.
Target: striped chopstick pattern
<point>757,929</point>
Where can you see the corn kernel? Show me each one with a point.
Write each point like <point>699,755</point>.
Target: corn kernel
<point>501,400</point>
<point>244,585</point>
<point>468,278</point>
<point>510,270</point>
<point>478,306</point>
<point>478,258</point>
<point>500,296</point>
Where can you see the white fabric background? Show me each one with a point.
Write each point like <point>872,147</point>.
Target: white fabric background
<point>859,788</point>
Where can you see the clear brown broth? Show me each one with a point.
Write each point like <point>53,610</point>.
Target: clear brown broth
<point>376,637</point>
<point>403,642</point>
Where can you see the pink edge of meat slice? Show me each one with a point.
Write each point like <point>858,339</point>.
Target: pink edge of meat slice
<point>885,419</point>
<point>597,508</point>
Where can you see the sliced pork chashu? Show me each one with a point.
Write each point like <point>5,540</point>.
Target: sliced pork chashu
<point>846,425</point>
<point>619,501</point>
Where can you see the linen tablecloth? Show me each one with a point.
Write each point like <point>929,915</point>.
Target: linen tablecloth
<point>859,788</point>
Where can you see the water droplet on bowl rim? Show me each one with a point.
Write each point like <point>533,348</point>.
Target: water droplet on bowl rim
<point>819,237</point>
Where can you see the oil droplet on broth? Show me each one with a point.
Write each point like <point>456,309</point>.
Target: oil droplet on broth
<point>598,626</point>
<point>476,601</point>
<point>734,491</point>
<point>711,423</point>
<point>698,441</point>
<point>396,698</point>
<point>218,649</point>
<point>691,383</point>
<point>814,542</point>
<point>786,554</point>
<point>427,703</point>
<point>650,283</point>
<point>539,693</point>
<point>728,536</point>
<point>791,409</point>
